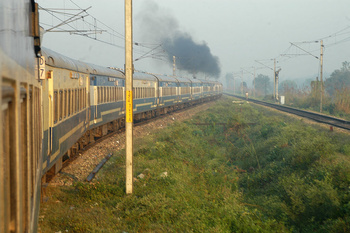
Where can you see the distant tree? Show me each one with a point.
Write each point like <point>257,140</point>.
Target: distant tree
<point>287,86</point>
<point>338,87</point>
<point>262,85</point>
<point>338,80</point>
<point>229,80</point>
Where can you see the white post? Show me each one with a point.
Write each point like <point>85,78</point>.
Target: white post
<point>321,74</point>
<point>254,81</point>
<point>129,97</point>
<point>274,79</point>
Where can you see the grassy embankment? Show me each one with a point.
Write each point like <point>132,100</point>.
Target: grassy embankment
<point>261,173</point>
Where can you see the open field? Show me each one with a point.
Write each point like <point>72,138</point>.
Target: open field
<point>257,172</point>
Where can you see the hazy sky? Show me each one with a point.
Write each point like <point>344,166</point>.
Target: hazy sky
<point>237,32</point>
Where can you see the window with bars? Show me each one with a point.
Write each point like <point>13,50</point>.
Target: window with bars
<point>185,90</point>
<point>69,103</point>
<point>55,106</point>
<point>168,91</point>
<point>196,90</point>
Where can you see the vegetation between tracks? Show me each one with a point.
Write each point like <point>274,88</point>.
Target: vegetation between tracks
<point>257,173</point>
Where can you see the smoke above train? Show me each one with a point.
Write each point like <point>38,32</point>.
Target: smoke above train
<point>158,24</point>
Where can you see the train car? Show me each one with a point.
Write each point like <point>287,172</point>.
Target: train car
<point>168,99</point>
<point>196,90</point>
<point>145,95</point>
<point>107,101</point>
<point>206,88</point>
<point>218,88</point>
<point>20,118</point>
<point>81,101</point>
<point>209,89</point>
<point>184,92</point>
<point>65,91</point>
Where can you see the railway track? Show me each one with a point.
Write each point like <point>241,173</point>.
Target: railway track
<point>321,118</point>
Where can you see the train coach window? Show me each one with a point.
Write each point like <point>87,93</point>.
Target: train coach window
<point>65,104</point>
<point>76,103</point>
<point>60,105</point>
<point>69,103</point>
<point>104,95</point>
<point>84,98</point>
<point>98,95</point>
<point>119,93</point>
<point>55,106</point>
<point>73,102</point>
<point>80,92</point>
<point>78,100</point>
<point>111,93</point>
<point>5,165</point>
<point>114,94</point>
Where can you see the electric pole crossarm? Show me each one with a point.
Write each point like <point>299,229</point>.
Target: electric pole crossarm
<point>263,64</point>
<point>69,20</point>
<point>304,50</point>
<point>247,71</point>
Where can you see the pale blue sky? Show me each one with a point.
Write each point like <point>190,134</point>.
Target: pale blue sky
<point>238,32</point>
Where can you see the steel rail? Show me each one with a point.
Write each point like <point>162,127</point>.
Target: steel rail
<point>318,117</point>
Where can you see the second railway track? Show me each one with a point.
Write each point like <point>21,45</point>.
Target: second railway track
<point>320,118</point>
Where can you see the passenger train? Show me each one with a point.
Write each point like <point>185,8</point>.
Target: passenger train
<point>52,106</point>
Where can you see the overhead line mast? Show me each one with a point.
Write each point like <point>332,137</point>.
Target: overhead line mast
<point>129,69</point>
<point>321,66</point>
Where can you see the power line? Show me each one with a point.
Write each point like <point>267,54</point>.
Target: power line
<point>93,29</point>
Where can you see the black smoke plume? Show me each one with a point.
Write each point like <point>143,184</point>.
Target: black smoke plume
<point>159,25</point>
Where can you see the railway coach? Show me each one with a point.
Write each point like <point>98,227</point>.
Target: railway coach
<point>80,102</point>
<point>83,101</point>
<point>20,118</point>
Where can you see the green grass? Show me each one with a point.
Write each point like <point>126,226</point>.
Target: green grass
<point>259,173</point>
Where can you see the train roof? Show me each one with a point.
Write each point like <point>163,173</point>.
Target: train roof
<point>164,78</point>
<point>144,76</point>
<point>182,80</point>
<point>58,60</point>
<point>194,80</point>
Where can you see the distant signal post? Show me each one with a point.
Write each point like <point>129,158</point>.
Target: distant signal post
<point>128,95</point>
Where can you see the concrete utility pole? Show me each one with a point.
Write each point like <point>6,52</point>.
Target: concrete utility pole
<point>174,65</point>
<point>254,81</point>
<point>234,85</point>
<point>274,79</point>
<point>276,75</point>
<point>321,74</point>
<point>129,69</point>
<point>242,83</point>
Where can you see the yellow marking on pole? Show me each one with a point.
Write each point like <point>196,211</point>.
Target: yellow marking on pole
<point>128,106</point>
